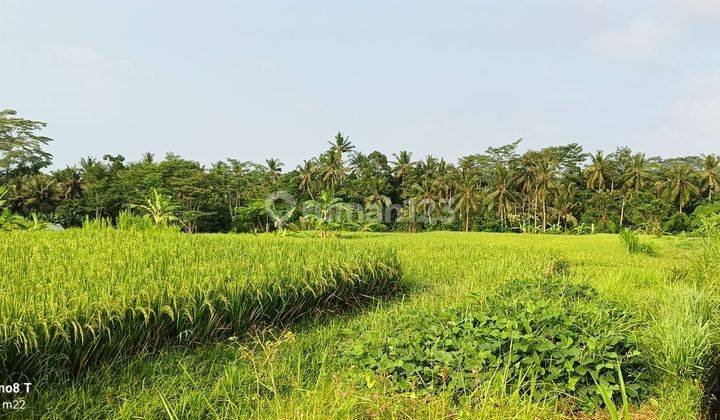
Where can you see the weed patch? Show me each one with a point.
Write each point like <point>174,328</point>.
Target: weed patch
<point>547,338</point>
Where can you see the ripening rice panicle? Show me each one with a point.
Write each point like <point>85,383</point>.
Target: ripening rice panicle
<point>71,299</point>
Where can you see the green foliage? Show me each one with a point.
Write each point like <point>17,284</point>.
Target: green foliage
<point>706,215</point>
<point>251,217</point>
<point>159,208</point>
<point>498,190</point>
<point>10,221</point>
<point>548,336</point>
<point>21,147</point>
<point>631,242</point>
<point>678,222</point>
<point>607,396</point>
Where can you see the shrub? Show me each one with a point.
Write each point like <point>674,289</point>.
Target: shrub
<point>546,337</point>
<point>678,222</point>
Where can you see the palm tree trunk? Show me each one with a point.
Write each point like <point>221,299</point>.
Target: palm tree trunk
<point>467,219</point>
<point>544,215</point>
<point>622,211</point>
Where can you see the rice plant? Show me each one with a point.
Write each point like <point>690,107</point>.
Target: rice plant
<point>72,299</point>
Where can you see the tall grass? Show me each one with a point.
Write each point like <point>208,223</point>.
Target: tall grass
<point>682,334</point>
<point>72,299</point>
<point>631,241</point>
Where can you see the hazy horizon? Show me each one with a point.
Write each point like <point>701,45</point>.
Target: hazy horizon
<point>253,81</point>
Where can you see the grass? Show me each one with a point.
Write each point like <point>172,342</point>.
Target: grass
<point>631,241</point>
<point>298,372</point>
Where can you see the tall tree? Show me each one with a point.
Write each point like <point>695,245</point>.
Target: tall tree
<point>469,197</point>
<point>21,147</point>
<point>637,173</point>
<point>341,144</point>
<point>332,169</point>
<point>38,193</point>
<point>306,171</point>
<point>274,168</point>
<point>564,202</point>
<point>402,165</point>
<point>501,195</point>
<point>598,171</point>
<point>377,199</point>
<point>425,197</point>
<point>544,183</point>
<point>634,176</point>
<point>679,185</point>
<point>710,181</point>
<point>69,183</point>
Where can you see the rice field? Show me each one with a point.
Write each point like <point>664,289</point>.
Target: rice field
<point>228,349</point>
<point>73,299</point>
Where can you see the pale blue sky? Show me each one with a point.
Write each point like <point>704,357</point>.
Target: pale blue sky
<point>251,80</point>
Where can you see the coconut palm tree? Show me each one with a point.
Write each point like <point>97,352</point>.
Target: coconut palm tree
<point>468,198</point>
<point>501,196</point>
<point>70,183</point>
<point>274,168</point>
<point>545,177</point>
<point>564,203</point>
<point>597,171</point>
<point>633,180</point>
<point>710,180</point>
<point>637,173</point>
<point>358,162</point>
<point>332,169</point>
<point>305,175</point>
<point>377,199</point>
<point>525,180</point>
<point>147,158</point>
<point>38,192</point>
<point>402,165</point>
<point>679,185</point>
<point>341,144</point>
<point>425,197</point>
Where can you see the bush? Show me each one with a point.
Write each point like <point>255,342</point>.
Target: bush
<point>252,216</point>
<point>678,222</point>
<point>69,213</point>
<point>704,214</point>
<point>546,337</point>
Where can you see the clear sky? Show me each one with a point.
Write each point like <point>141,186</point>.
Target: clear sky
<point>258,79</point>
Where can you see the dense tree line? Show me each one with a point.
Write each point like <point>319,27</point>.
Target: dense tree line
<point>555,189</point>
